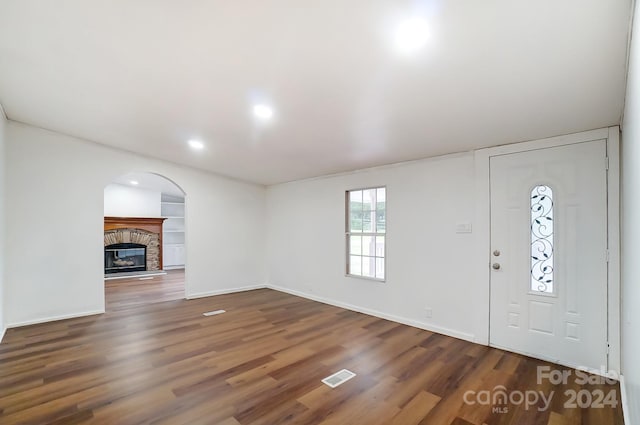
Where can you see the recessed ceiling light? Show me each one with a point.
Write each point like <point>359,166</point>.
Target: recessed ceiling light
<point>412,35</point>
<point>196,144</point>
<point>262,111</point>
<point>133,182</point>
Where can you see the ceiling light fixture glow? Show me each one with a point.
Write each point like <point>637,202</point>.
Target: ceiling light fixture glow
<point>196,145</point>
<point>412,35</point>
<point>133,183</point>
<point>262,111</point>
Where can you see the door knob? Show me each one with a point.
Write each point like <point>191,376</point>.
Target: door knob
<point>496,266</point>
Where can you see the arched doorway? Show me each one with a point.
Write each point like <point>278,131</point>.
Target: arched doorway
<point>144,240</point>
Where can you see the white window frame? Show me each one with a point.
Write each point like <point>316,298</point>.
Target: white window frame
<point>374,234</point>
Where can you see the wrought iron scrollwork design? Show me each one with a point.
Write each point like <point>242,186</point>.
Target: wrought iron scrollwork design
<point>542,239</point>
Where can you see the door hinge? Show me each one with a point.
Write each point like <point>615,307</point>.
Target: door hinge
<point>608,347</point>
<point>606,255</point>
<point>606,162</point>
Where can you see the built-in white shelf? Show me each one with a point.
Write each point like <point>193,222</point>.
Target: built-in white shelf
<point>173,234</point>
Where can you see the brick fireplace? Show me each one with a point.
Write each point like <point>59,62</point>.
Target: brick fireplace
<point>132,244</point>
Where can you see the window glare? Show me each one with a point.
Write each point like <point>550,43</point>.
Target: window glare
<point>355,265</point>
<point>355,196</point>
<point>368,199</point>
<point>380,268</point>
<point>368,245</point>
<point>379,246</point>
<point>368,267</point>
<point>381,194</point>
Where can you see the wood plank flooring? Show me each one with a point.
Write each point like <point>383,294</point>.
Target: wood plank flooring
<point>261,363</point>
<point>133,292</point>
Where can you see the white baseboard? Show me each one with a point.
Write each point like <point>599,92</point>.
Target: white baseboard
<point>625,401</point>
<point>370,312</point>
<point>224,291</point>
<point>54,318</point>
<point>4,330</point>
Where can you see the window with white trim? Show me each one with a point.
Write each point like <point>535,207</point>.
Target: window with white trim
<point>366,232</point>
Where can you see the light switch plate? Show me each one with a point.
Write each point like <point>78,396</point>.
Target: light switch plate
<point>463,227</point>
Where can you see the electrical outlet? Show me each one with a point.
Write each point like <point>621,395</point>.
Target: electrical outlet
<point>428,313</point>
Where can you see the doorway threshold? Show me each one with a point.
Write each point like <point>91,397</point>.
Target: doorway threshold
<point>129,275</point>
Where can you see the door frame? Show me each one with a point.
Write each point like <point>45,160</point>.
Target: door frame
<point>482,247</point>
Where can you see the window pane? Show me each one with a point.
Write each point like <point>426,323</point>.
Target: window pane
<point>379,246</point>
<point>381,198</point>
<point>356,221</point>
<point>355,245</point>
<point>368,245</point>
<point>380,268</point>
<point>368,199</point>
<point>355,199</point>
<point>355,265</point>
<point>367,221</point>
<point>542,239</point>
<point>381,225</point>
<point>368,266</point>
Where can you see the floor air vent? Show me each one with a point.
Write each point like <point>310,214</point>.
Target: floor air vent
<point>213,313</point>
<point>338,378</point>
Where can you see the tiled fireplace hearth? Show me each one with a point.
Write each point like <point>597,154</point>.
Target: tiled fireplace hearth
<point>132,244</point>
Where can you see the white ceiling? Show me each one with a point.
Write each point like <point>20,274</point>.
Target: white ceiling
<point>148,75</point>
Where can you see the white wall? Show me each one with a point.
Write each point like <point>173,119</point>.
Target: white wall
<point>55,206</point>
<point>125,201</point>
<point>3,124</point>
<point>428,263</point>
<point>630,232</point>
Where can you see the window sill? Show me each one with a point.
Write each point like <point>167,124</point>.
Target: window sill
<point>375,279</point>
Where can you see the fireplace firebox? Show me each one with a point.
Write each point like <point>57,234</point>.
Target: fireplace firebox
<point>125,257</point>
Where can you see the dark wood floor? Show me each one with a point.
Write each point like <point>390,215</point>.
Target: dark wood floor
<point>133,292</point>
<point>260,363</point>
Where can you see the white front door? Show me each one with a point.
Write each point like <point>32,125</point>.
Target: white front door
<point>549,254</point>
